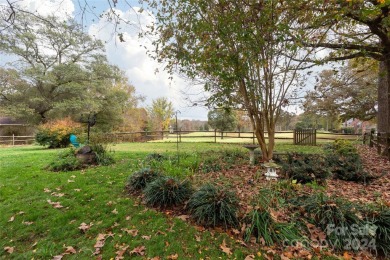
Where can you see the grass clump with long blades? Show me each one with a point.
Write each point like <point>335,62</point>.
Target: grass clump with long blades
<point>262,226</point>
<point>214,206</point>
<point>138,180</point>
<point>66,161</point>
<point>167,191</point>
<point>336,217</point>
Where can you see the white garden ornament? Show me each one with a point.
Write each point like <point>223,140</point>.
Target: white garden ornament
<point>271,167</point>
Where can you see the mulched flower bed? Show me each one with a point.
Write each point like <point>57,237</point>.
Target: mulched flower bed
<point>246,181</point>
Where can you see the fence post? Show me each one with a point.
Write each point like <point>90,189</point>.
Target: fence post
<point>253,137</point>
<point>315,137</point>
<point>180,135</point>
<point>215,135</point>
<point>13,139</point>
<point>371,143</point>
<point>295,136</point>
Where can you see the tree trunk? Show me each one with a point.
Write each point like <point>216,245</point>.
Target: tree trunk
<point>383,123</point>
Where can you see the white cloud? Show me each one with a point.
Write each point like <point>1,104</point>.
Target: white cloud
<point>132,58</point>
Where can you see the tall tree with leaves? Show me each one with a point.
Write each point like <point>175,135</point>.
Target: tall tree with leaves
<point>346,30</point>
<point>241,51</point>
<point>160,113</point>
<point>350,92</point>
<point>222,119</point>
<point>60,71</point>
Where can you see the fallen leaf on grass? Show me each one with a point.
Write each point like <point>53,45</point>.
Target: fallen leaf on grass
<point>250,257</point>
<point>84,227</point>
<point>70,181</point>
<point>100,240</point>
<point>46,190</point>
<point>225,249</point>
<point>56,205</point>
<point>28,223</point>
<point>78,190</point>
<point>55,194</point>
<point>11,219</point>
<point>69,250</point>
<point>121,252</point>
<point>9,249</point>
<point>197,238</point>
<point>115,211</point>
<point>139,250</point>
<point>173,257</point>
<point>133,232</point>
<point>146,237</point>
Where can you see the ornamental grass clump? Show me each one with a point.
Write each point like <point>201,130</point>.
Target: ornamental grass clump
<point>66,161</point>
<point>214,206</point>
<point>378,228</point>
<point>262,226</point>
<point>102,155</point>
<point>138,180</point>
<point>336,217</point>
<point>167,192</point>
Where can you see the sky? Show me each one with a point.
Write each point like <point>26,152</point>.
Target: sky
<point>131,55</point>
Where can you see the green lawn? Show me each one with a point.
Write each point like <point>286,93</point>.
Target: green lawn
<point>34,228</point>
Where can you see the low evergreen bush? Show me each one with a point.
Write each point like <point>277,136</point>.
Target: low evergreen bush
<point>305,168</point>
<point>166,192</point>
<point>344,162</point>
<point>214,206</point>
<point>138,180</point>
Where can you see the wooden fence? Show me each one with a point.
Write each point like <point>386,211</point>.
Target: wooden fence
<point>16,139</point>
<point>305,137</point>
<point>381,141</point>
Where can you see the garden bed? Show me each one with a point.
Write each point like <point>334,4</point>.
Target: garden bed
<point>247,181</point>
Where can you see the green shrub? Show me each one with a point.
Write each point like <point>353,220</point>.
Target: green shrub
<point>330,214</point>
<point>56,134</point>
<point>344,162</point>
<point>102,155</point>
<point>341,147</point>
<point>66,161</point>
<point>167,191</point>
<point>380,221</point>
<point>214,206</point>
<point>305,168</point>
<point>261,225</point>
<point>138,180</point>
<point>347,168</point>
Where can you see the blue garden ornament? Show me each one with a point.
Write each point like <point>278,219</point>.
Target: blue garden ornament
<point>73,141</point>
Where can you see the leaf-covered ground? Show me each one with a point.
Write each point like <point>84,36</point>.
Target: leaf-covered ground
<point>376,191</point>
